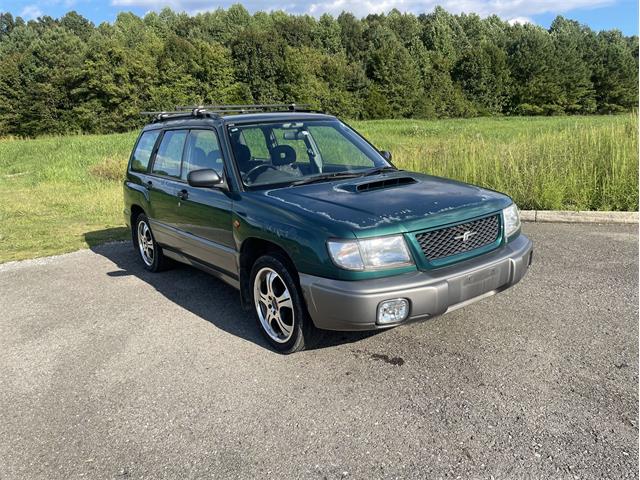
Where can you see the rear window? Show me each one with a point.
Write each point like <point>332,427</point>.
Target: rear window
<point>142,153</point>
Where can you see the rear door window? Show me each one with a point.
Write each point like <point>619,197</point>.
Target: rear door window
<point>169,157</point>
<point>202,151</point>
<point>142,153</point>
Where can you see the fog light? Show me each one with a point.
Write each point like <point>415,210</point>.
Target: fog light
<point>393,311</point>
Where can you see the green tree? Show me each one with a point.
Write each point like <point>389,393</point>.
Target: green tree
<point>78,25</point>
<point>393,71</point>
<point>483,74</point>
<point>351,31</point>
<point>259,57</point>
<point>37,82</point>
<point>573,74</point>
<point>531,54</point>
<point>64,75</point>
<point>120,71</point>
<point>615,73</point>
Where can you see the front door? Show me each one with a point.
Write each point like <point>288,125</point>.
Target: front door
<point>204,214</point>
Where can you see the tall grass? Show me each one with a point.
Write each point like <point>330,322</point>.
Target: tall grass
<point>572,163</point>
<point>63,193</point>
<point>51,202</point>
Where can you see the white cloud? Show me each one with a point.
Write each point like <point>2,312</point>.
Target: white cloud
<point>519,20</point>
<point>178,5</point>
<point>518,11</point>
<point>514,9</point>
<point>31,12</point>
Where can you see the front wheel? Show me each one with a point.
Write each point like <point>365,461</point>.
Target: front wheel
<point>279,306</point>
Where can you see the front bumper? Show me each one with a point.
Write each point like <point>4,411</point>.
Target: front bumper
<point>353,305</point>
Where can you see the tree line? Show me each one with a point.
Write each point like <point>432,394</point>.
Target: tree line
<point>69,75</point>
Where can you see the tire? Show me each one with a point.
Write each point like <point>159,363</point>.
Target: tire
<point>279,307</point>
<point>145,244</point>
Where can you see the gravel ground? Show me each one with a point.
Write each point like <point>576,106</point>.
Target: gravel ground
<point>107,371</point>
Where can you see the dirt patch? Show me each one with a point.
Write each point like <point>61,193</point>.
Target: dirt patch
<point>111,168</point>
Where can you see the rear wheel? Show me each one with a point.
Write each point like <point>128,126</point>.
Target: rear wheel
<point>146,245</point>
<point>279,307</point>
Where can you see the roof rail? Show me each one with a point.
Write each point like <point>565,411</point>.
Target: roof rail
<point>266,107</point>
<point>216,111</point>
<point>166,115</point>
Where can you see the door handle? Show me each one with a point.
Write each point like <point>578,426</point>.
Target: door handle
<point>149,184</point>
<point>183,194</point>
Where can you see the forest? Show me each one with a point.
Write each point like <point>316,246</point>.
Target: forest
<point>67,75</point>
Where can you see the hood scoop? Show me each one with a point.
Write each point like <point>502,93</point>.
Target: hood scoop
<point>380,184</point>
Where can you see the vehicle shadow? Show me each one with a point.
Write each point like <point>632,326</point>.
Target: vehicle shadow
<point>99,237</point>
<point>202,294</point>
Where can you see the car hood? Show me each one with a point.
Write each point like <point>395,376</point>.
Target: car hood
<point>387,203</point>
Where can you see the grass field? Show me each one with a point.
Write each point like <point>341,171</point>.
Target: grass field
<point>64,193</point>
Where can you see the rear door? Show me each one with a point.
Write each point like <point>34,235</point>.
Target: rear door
<point>165,184</point>
<point>204,214</point>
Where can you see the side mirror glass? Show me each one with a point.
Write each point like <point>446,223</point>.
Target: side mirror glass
<point>206,177</point>
<point>387,155</point>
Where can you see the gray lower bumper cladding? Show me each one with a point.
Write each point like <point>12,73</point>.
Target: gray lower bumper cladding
<point>352,305</point>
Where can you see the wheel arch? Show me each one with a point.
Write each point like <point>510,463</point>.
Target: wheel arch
<point>251,249</point>
<point>136,210</point>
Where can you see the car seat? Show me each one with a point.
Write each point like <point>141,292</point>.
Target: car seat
<point>283,157</point>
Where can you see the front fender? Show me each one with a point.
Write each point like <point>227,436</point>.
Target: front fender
<point>305,245</point>
<point>302,236</point>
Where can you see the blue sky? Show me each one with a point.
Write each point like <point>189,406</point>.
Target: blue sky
<point>598,14</point>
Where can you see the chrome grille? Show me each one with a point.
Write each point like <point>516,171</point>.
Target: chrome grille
<point>461,238</point>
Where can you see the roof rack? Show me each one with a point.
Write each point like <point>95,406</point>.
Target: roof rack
<point>216,111</point>
<point>266,107</point>
<point>166,115</point>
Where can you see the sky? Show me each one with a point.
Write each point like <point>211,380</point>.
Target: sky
<point>598,14</point>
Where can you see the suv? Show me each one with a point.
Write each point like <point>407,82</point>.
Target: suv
<point>314,226</point>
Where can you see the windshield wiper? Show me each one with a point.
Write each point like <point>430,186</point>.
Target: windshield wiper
<point>378,170</point>
<point>324,177</point>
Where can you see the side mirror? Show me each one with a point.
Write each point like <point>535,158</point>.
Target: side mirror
<point>206,177</point>
<point>387,155</point>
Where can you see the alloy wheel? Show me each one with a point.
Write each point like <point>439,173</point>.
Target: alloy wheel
<point>145,243</point>
<point>274,305</point>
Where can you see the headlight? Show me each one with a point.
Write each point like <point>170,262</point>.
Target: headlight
<point>371,253</point>
<point>511,216</point>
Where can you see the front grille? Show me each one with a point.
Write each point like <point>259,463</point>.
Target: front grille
<point>461,238</point>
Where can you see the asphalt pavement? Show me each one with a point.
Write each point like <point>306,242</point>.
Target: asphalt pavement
<point>108,371</point>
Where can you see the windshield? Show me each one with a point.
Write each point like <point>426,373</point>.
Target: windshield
<point>300,152</point>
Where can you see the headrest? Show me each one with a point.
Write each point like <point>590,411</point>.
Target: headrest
<point>283,155</point>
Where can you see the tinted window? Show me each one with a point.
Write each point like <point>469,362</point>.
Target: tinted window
<point>202,151</point>
<point>169,154</point>
<point>142,154</point>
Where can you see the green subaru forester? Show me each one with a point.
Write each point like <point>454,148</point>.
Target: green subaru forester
<point>314,225</point>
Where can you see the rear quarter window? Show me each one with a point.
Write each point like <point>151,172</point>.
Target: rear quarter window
<point>142,153</point>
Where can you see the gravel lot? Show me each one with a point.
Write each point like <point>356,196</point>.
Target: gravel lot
<point>107,371</point>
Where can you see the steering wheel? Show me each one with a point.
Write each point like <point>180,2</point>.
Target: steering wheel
<point>251,173</point>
